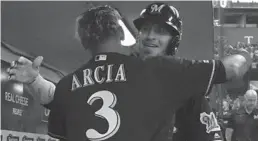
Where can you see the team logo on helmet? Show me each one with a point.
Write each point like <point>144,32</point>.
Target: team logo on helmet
<point>210,121</point>
<point>156,9</point>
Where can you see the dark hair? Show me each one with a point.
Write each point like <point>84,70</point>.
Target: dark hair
<point>98,24</point>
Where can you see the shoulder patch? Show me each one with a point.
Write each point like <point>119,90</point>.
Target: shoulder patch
<point>210,121</point>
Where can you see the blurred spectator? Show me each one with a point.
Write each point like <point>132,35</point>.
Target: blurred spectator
<point>236,108</point>
<point>228,49</point>
<point>237,104</point>
<point>255,56</point>
<point>225,106</point>
<point>244,120</point>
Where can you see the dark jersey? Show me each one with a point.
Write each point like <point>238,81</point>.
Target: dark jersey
<point>196,121</point>
<point>117,97</point>
<point>244,125</point>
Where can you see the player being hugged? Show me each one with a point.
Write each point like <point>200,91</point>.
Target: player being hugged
<point>115,96</point>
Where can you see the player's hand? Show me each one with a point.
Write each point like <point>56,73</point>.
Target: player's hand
<point>244,53</point>
<point>25,71</point>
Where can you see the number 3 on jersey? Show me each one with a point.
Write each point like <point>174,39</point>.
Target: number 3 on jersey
<point>106,112</point>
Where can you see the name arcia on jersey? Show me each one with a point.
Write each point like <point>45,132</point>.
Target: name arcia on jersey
<point>91,77</point>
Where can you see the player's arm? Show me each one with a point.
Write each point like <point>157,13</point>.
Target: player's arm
<point>27,72</point>
<point>43,89</point>
<point>56,119</point>
<point>201,75</point>
<point>195,77</point>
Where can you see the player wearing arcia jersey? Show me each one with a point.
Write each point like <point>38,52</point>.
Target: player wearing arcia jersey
<point>103,100</point>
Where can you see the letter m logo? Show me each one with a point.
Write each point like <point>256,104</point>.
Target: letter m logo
<point>155,8</point>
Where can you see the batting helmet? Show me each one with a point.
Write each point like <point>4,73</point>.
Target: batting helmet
<point>162,13</point>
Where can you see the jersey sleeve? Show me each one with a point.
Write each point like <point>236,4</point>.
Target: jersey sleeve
<point>199,76</point>
<point>189,77</point>
<point>56,120</point>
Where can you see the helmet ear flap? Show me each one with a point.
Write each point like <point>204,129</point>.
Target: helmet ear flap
<point>173,45</point>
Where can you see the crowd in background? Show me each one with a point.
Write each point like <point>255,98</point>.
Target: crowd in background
<point>229,49</point>
<point>231,108</point>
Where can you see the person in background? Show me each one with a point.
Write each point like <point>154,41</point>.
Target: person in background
<point>244,120</point>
